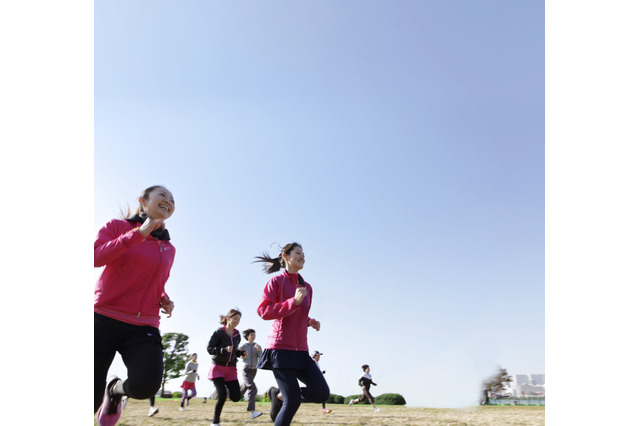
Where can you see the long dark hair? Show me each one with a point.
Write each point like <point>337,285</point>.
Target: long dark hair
<point>274,264</point>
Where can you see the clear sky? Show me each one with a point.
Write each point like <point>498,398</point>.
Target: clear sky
<point>404,210</point>
<point>402,146</point>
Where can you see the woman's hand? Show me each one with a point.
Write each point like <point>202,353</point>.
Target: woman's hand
<point>301,293</point>
<point>150,225</point>
<point>166,305</point>
<point>229,349</point>
<point>314,324</point>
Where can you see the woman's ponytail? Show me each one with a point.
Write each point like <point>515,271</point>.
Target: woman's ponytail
<point>274,264</point>
<point>271,265</point>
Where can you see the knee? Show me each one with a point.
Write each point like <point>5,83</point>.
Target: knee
<point>140,390</point>
<point>235,395</point>
<point>142,384</point>
<point>319,393</point>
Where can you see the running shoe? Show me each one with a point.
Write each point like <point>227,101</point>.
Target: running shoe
<point>111,408</point>
<point>255,414</point>
<point>276,404</point>
<point>325,411</point>
<point>377,410</point>
<point>153,411</point>
<point>181,408</point>
<point>350,402</point>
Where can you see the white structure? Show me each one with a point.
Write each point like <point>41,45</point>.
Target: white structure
<point>523,385</point>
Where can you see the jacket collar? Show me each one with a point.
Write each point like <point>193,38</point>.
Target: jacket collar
<point>291,275</point>
<point>160,233</point>
<point>235,330</point>
<point>294,277</point>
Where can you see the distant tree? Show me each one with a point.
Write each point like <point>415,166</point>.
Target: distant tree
<point>390,399</point>
<point>496,383</point>
<point>335,399</point>
<point>175,356</point>
<point>382,399</point>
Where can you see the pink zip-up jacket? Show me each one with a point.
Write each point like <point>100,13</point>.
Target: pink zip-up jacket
<point>289,330</point>
<point>136,270</point>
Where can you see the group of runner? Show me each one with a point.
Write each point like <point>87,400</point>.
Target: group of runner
<point>137,257</point>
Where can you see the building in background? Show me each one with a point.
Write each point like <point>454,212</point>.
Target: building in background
<point>525,385</point>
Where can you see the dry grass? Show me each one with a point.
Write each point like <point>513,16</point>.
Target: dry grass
<point>199,413</point>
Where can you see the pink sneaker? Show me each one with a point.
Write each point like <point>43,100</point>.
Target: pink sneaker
<point>111,408</point>
<point>325,411</point>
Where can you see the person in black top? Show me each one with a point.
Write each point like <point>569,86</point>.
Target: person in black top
<point>224,347</point>
<point>365,382</point>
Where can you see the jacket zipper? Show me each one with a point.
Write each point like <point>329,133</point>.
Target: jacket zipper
<point>232,347</point>
<point>298,327</point>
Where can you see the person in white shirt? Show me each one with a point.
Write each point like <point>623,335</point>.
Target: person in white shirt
<point>316,358</point>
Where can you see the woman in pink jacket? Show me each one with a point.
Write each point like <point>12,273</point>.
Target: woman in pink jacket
<point>137,257</point>
<point>286,300</point>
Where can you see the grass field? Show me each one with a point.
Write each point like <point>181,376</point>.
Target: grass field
<point>199,413</point>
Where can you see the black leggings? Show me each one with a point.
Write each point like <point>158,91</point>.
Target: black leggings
<point>365,395</point>
<point>316,390</point>
<point>141,350</point>
<point>221,388</point>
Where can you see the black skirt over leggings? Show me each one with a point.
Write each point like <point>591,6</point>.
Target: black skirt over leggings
<point>289,367</point>
<point>141,349</point>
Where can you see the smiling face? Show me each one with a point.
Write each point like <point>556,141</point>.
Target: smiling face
<point>294,261</point>
<point>159,204</point>
<point>233,320</point>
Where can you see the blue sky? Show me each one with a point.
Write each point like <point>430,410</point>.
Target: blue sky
<point>57,191</point>
<point>402,146</point>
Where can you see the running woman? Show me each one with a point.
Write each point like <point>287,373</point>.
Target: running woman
<point>365,382</point>
<point>189,383</point>
<point>253,351</point>
<point>286,299</point>
<point>137,258</point>
<point>224,347</point>
<point>316,357</point>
